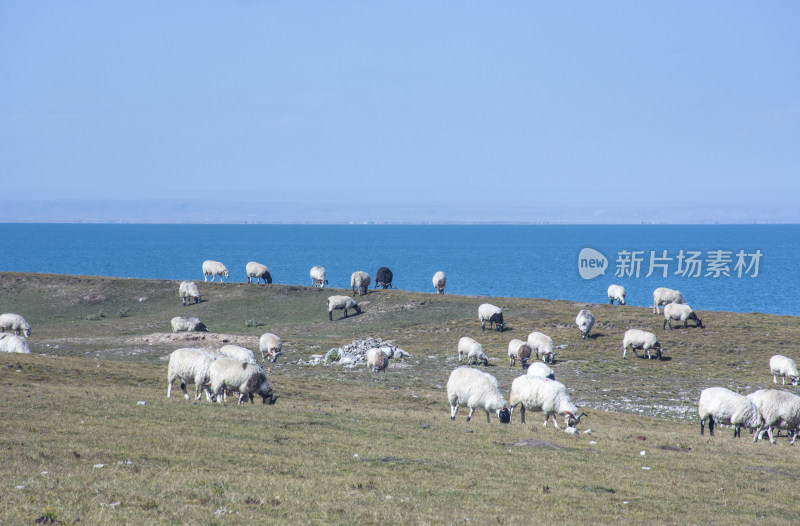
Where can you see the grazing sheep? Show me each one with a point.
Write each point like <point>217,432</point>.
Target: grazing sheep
<point>214,269</point>
<point>519,350</point>
<point>439,281</point>
<point>258,271</point>
<point>663,296</point>
<point>184,323</point>
<point>585,321</point>
<point>377,360</point>
<point>359,282</point>
<point>342,303</point>
<point>779,410</point>
<point>723,406</point>
<point>782,366</point>
<point>468,387</point>
<point>235,352</point>
<point>492,314</point>
<point>188,291</point>
<point>536,393</point>
<point>681,312</point>
<point>14,343</point>
<point>384,278</point>
<point>638,339</point>
<point>271,345</point>
<point>543,345</point>
<point>318,277</point>
<point>246,378</point>
<point>16,323</point>
<point>616,292</point>
<point>189,364</point>
<point>472,350</point>
<point>541,369</point>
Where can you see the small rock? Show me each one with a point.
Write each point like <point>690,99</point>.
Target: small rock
<point>141,402</point>
<point>20,487</point>
<point>571,431</point>
<point>98,466</point>
<point>643,453</point>
<point>587,432</point>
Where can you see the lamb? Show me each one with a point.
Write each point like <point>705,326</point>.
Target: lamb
<point>782,366</point>
<point>214,269</point>
<point>235,352</point>
<point>246,378</point>
<point>468,387</point>
<point>778,409</point>
<point>188,291</point>
<point>384,278</point>
<point>342,303</point>
<point>585,322</point>
<point>519,350</point>
<point>16,323</point>
<point>616,292</point>
<point>541,369</point>
<point>535,393</point>
<point>272,345</point>
<point>439,281</point>
<point>682,312</point>
<point>359,280</point>
<point>638,339</point>
<point>543,345</point>
<point>258,271</point>
<point>184,323</point>
<point>663,296</point>
<point>472,350</point>
<point>377,360</point>
<point>189,364</point>
<point>492,314</point>
<point>318,277</point>
<point>14,343</point>
<point>723,406</point>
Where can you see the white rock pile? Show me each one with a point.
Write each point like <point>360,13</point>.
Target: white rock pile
<point>355,353</point>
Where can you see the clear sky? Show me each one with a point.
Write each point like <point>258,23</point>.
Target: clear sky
<point>450,105</point>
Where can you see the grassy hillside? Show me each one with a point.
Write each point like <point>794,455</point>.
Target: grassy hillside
<point>346,446</point>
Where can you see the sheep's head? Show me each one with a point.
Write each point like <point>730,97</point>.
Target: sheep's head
<point>273,355</point>
<point>499,326</point>
<point>27,333</point>
<point>504,415</point>
<point>571,420</point>
<point>485,361</point>
<point>358,309</point>
<point>795,380</point>
<point>225,273</point>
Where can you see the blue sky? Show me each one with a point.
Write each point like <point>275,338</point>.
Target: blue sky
<point>453,106</point>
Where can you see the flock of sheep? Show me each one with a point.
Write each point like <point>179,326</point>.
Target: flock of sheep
<point>234,369</point>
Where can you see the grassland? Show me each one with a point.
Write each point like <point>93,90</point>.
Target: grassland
<point>343,446</point>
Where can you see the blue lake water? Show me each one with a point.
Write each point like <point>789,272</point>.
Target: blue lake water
<point>742,268</point>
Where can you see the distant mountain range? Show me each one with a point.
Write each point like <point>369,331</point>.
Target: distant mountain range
<point>374,211</point>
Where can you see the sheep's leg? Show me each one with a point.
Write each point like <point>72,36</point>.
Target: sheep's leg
<point>469,416</point>
<point>453,410</point>
<point>183,388</point>
<point>711,425</point>
<point>737,432</point>
<point>774,379</point>
<point>554,416</point>
<point>522,413</point>
<point>488,420</point>
<point>169,388</point>
<point>702,426</point>
<point>769,434</point>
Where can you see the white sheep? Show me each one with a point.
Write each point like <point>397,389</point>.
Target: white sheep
<point>188,291</point>
<point>616,292</point>
<point>258,271</point>
<point>468,387</point>
<point>663,296</point>
<point>342,303</point>
<point>246,378</point>
<point>519,350</point>
<point>680,312</point>
<point>214,269</point>
<point>492,314</point>
<point>541,369</point>
<point>189,364</point>
<point>585,321</point>
<point>270,345</point>
<point>15,322</point>
<point>536,393</point>
<point>235,352</point>
<point>377,359</point>
<point>638,339</point>
<point>187,323</point>
<point>723,406</point>
<point>778,410</point>
<point>783,366</point>
<point>318,276</point>
<point>14,343</point>
<point>439,281</point>
<point>359,281</point>
<point>472,351</point>
<point>543,346</point>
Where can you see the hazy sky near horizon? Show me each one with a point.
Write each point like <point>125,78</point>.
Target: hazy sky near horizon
<point>452,104</point>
